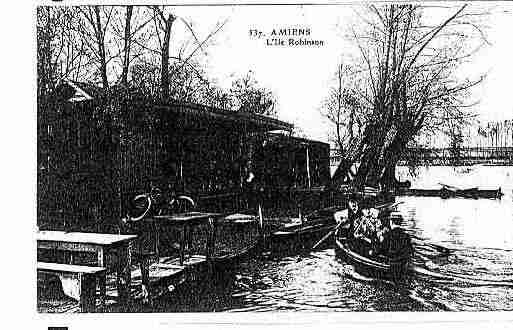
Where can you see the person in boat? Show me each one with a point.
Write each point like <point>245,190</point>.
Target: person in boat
<point>395,242</point>
<point>347,217</point>
<point>368,230</point>
<point>368,226</point>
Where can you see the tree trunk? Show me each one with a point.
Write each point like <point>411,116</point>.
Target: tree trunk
<point>341,172</point>
<point>164,69</point>
<point>128,41</point>
<point>368,172</point>
<point>393,154</point>
<point>100,39</point>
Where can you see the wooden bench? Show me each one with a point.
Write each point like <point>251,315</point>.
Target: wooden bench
<point>87,277</point>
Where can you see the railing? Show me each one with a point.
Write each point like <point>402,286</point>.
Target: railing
<point>473,155</point>
<point>446,156</point>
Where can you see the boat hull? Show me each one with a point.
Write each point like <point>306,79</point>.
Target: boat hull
<point>226,261</point>
<point>366,266</point>
<point>305,237</point>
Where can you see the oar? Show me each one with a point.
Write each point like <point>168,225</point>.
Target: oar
<point>388,205</point>
<point>326,236</point>
<point>437,247</point>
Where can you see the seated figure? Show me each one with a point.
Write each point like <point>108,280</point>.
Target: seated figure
<point>368,227</point>
<point>347,217</point>
<point>368,230</point>
<point>395,243</point>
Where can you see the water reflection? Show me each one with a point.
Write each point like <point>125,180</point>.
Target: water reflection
<point>463,261</point>
<point>461,222</point>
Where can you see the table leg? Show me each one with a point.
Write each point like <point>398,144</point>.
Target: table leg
<point>189,240</point>
<point>68,257</point>
<point>101,263</point>
<point>144,264</point>
<point>102,282</point>
<point>211,242</point>
<point>157,241</point>
<point>87,301</point>
<point>124,272</point>
<point>182,245</point>
<point>128,268</point>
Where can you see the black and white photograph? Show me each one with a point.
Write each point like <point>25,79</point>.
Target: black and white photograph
<point>222,158</point>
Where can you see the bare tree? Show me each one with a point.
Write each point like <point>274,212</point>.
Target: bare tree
<point>250,97</point>
<point>407,81</point>
<point>61,52</point>
<point>163,23</point>
<point>93,33</point>
<point>344,110</point>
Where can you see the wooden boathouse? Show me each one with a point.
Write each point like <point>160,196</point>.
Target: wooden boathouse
<point>95,152</point>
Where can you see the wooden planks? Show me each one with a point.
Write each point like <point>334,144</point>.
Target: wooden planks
<point>186,218</point>
<point>86,238</point>
<point>65,268</point>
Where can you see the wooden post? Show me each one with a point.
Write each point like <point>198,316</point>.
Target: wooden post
<point>157,239</point>
<point>211,238</point>
<point>101,263</point>
<point>308,167</point>
<point>182,244</point>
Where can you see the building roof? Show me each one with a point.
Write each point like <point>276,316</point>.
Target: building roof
<point>74,91</point>
<point>222,117</point>
<point>281,138</point>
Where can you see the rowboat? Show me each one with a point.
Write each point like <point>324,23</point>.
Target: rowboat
<point>378,266</point>
<point>470,193</point>
<point>237,225</point>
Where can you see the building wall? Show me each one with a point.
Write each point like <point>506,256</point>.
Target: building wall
<point>90,165</point>
<point>283,160</point>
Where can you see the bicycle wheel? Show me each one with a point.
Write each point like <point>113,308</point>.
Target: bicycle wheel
<point>182,204</point>
<point>139,208</point>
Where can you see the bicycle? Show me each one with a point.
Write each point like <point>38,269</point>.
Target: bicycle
<point>155,203</point>
<point>144,206</point>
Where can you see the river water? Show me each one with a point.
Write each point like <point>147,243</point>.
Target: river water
<point>463,261</point>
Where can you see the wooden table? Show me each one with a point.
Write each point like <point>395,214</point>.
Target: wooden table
<point>186,221</point>
<point>101,245</point>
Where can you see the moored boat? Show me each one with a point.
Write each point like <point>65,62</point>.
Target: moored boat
<point>452,193</point>
<point>304,231</point>
<point>246,237</point>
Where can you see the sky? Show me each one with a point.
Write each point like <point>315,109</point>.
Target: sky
<point>299,76</point>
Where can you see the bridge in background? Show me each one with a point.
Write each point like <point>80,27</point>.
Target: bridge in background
<point>461,156</point>
<point>448,156</point>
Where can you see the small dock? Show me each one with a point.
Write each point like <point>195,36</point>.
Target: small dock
<point>164,276</point>
<point>219,243</point>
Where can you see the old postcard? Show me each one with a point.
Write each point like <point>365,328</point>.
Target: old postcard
<point>264,157</point>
